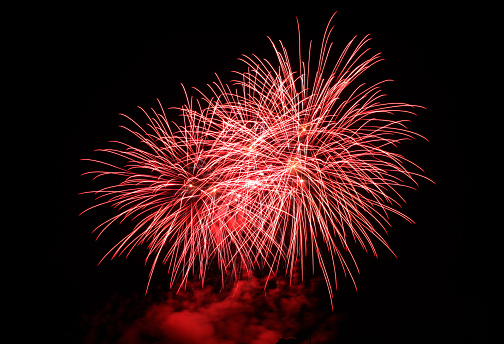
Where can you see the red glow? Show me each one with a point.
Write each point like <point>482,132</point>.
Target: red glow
<point>276,169</point>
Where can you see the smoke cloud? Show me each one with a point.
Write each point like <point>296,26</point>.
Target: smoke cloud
<point>250,312</point>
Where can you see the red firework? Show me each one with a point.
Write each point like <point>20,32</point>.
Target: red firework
<point>277,169</point>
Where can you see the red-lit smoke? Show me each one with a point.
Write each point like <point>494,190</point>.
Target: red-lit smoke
<point>248,313</point>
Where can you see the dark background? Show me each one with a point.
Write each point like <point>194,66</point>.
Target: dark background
<point>84,65</point>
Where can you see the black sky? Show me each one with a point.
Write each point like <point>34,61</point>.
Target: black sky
<point>86,65</point>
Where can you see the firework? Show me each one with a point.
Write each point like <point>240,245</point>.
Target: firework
<point>278,169</point>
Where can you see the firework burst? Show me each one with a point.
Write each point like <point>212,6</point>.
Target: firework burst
<point>279,168</point>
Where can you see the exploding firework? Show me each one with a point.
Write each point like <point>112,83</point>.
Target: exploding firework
<point>279,169</point>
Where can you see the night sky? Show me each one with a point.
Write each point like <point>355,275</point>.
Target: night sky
<point>86,65</point>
